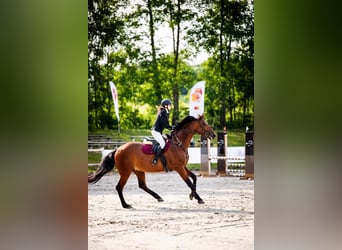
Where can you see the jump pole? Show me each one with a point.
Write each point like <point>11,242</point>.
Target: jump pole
<point>221,158</point>
<point>205,161</point>
<point>222,154</point>
<point>206,158</point>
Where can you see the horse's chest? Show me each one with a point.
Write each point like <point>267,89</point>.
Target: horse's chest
<point>178,158</point>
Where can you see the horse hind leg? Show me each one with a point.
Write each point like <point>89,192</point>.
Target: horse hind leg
<point>119,188</point>
<point>143,186</point>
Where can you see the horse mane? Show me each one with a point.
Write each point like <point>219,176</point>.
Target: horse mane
<point>184,122</point>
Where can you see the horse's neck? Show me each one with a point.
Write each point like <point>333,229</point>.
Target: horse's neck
<point>184,137</point>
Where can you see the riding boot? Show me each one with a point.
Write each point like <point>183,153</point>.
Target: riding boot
<point>158,152</point>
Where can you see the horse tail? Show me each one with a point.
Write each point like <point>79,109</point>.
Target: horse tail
<point>106,165</point>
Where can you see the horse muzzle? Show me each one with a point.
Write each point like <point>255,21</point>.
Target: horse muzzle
<point>210,135</point>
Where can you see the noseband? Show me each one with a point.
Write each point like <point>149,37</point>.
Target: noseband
<point>206,132</point>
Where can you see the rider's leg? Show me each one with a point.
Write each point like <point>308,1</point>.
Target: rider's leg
<point>161,146</point>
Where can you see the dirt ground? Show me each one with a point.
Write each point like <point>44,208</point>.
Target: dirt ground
<point>225,221</point>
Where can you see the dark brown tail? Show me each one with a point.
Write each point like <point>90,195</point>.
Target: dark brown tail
<point>106,165</point>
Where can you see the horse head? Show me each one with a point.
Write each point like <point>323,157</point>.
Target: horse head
<point>194,125</point>
<point>201,127</point>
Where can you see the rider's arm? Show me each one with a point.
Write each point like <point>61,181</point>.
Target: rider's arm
<point>165,120</point>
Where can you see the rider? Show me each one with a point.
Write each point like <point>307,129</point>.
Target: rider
<point>161,122</point>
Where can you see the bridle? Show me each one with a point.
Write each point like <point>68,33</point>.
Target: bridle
<point>205,132</point>
<point>175,140</point>
<point>190,131</point>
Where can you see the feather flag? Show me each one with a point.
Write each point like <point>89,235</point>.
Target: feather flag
<point>197,99</point>
<point>115,99</point>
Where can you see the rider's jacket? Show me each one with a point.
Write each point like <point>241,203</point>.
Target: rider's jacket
<point>162,121</point>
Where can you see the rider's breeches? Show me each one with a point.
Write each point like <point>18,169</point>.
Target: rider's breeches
<point>158,136</point>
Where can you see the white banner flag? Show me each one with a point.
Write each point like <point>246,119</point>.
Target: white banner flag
<point>115,99</point>
<point>197,99</point>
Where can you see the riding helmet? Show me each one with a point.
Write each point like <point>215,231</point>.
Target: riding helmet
<point>166,102</point>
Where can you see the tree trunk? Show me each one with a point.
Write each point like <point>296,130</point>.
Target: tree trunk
<point>175,88</point>
<point>222,73</point>
<point>156,84</point>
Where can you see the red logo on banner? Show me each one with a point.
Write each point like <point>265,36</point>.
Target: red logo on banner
<point>197,94</point>
<point>115,96</point>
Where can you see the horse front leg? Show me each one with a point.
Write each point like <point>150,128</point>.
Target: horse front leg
<point>185,176</point>
<point>193,193</point>
<point>192,176</point>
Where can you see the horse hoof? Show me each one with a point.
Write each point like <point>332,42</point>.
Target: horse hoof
<point>160,200</point>
<point>200,202</point>
<point>191,196</point>
<point>128,206</point>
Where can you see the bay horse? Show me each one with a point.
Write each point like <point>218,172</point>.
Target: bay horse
<point>130,158</point>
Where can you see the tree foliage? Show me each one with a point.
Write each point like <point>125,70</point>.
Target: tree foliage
<point>123,48</point>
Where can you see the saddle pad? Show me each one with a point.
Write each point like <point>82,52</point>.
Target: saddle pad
<point>147,148</point>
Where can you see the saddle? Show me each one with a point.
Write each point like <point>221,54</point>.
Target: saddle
<point>150,145</point>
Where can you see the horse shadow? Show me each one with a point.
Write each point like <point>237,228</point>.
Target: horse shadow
<point>207,210</point>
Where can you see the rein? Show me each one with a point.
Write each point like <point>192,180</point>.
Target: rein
<point>179,143</point>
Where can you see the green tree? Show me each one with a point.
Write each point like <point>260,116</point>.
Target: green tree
<point>221,28</point>
<point>105,29</point>
<point>178,12</point>
<point>144,76</point>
